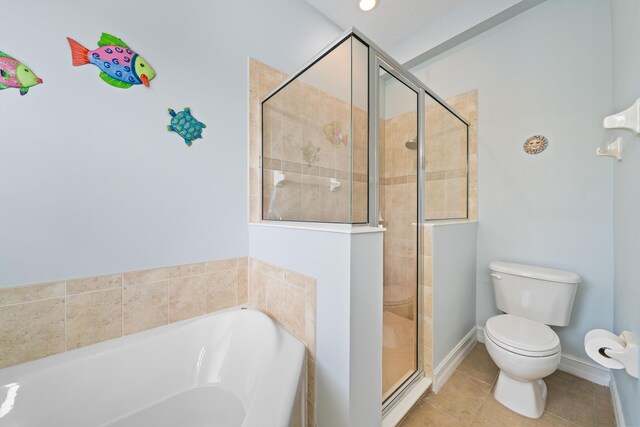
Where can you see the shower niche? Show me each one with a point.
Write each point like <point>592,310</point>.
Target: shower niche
<point>354,138</point>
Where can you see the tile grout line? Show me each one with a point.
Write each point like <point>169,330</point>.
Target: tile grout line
<point>475,417</point>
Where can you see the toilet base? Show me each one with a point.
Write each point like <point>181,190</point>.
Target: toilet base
<point>525,397</point>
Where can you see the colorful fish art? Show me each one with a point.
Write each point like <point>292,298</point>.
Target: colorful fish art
<point>14,73</point>
<point>120,66</point>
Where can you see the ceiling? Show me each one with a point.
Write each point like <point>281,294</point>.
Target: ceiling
<point>390,22</point>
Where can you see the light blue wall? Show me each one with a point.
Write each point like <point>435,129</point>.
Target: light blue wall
<point>546,71</point>
<point>454,290</point>
<point>348,269</point>
<point>625,16</point>
<point>91,182</point>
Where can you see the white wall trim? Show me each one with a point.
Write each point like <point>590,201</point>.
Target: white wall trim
<point>574,366</point>
<point>617,404</point>
<point>445,369</point>
<point>480,330</point>
<point>583,369</point>
<point>402,408</point>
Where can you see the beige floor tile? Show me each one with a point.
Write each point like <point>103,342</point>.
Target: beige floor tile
<point>425,414</point>
<point>479,365</point>
<point>603,406</point>
<point>571,398</point>
<point>493,413</point>
<point>572,401</point>
<point>461,397</point>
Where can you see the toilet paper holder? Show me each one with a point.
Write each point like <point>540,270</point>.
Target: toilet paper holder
<point>628,356</point>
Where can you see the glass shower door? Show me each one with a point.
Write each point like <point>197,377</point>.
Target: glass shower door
<point>398,193</point>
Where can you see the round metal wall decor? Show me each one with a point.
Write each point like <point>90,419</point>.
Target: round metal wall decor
<point>536,144</point>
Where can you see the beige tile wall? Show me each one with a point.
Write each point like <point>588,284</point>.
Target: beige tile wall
<point>426,315</point>
<point>48,318</point>
<point>294,119</point>
<point>467,105</point>
<point>290,299</point>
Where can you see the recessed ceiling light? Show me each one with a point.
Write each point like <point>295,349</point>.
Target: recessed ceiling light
<point>367,5</point>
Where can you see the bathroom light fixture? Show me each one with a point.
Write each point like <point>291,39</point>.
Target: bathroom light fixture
<point>367,5</point>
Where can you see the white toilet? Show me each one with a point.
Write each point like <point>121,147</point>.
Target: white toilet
<point>520,342</point>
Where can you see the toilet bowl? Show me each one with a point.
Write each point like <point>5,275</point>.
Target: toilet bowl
<point>525,351</point>
<point>520,343</point>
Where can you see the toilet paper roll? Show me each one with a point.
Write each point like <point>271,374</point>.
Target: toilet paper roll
<point>596,341</point>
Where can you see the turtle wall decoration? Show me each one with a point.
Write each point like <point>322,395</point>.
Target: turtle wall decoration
<point>185,125</point>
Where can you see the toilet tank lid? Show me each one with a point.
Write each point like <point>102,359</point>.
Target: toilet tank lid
<point>534,272</point>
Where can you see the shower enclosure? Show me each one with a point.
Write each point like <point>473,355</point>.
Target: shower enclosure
<point>355,138</point>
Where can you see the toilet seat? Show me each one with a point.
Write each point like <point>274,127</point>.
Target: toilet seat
<point>522,336</point>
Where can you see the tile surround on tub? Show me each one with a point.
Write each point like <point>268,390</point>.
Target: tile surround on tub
<point>44,319</point>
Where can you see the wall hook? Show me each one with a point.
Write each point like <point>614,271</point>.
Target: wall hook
<point>627,119</point>
<point>614,149</point>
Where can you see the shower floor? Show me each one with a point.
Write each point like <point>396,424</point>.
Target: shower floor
<point>398,351</point>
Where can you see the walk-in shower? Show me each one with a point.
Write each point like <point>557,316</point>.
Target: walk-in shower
<point>355,138</point>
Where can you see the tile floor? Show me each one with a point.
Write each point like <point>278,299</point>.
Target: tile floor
<point>467,400</point>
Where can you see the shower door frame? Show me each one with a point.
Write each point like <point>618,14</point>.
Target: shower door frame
<point>379,59</point>
<point>378,62</point>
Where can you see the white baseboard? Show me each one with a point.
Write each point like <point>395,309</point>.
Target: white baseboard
<point>617,404</point>
<point>480,330</point>
<point>444,370</point>
<point>574,366</point>
<point>583,369</point>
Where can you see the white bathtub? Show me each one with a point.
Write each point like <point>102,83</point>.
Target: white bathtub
<point>231,368</point>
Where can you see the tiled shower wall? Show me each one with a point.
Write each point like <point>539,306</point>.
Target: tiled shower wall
<point>467,105</point>
<point>48,318</point>
<point>295,145</point>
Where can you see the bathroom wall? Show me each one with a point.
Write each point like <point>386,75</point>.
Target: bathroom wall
<point>454,311</point>
<point>91,182</point>
<point>546,71</point>
<point>625,15</point>
<point>349,307</point>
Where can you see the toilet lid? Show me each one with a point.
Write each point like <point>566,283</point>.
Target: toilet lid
<point>522,336</point>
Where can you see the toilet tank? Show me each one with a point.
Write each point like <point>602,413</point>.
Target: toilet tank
<point>536,293</point>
